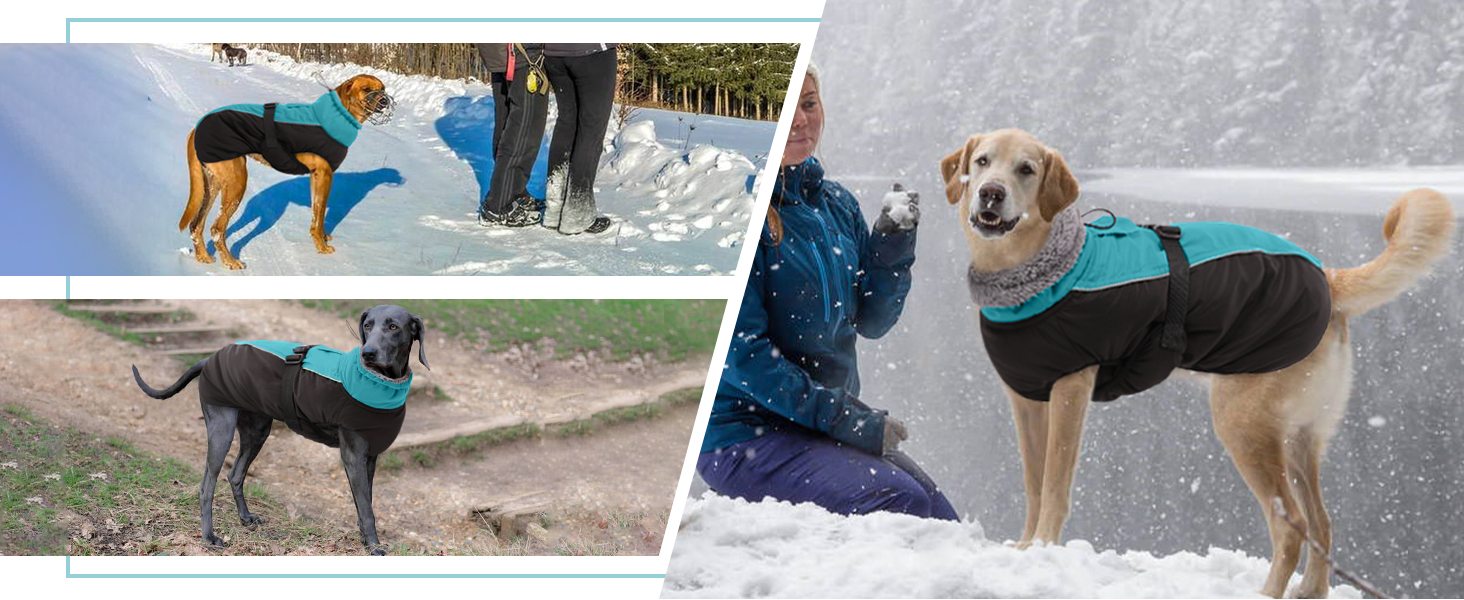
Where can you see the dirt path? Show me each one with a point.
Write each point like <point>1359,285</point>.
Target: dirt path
<point>622,477</point>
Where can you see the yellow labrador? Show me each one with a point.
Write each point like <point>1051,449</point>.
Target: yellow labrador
<point>1275,424</point>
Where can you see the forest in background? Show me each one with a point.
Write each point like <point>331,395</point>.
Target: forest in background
<point>745,81</point>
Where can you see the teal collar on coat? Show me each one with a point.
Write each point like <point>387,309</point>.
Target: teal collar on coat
<point>364,385</point>
<point>335,119</point>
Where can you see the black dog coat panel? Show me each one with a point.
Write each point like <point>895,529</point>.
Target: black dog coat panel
<point>324,128</point>
<point>1257,304</point>
<point>333,389</point>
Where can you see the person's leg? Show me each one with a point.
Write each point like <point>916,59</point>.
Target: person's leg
<point>566,98</point>
<point>804,467</point>
<point>594,77</point>
<point>499,83</point>
<point>523,131</point>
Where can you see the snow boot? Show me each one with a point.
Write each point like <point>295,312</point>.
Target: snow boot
<point>522,213</point>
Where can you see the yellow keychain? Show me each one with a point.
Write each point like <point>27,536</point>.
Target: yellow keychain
<point>537,81</point>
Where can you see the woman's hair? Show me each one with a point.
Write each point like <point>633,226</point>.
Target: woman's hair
<point>775,222</point>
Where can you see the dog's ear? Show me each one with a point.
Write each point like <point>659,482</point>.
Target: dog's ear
<point>361,326</point>
<point>1058,189</point>
<point>419,332</point>
<point>956,169</point>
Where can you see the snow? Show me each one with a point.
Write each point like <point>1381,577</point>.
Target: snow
<point>898,205</point>
<point>403,202</point>
<point>730,548</point>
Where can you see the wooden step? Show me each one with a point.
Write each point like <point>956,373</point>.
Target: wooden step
<point>509,517</point>
<point>177,329</point>
<point>183,351</point>
<point>141,309</point>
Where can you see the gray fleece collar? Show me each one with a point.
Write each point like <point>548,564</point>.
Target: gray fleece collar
<point>1011,287</point>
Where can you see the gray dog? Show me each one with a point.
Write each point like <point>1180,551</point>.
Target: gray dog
<point>353,400</point>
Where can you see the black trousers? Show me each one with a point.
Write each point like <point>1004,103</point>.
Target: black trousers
<point>518,145</point>
<point>584,88</point>
<point>499,82</point>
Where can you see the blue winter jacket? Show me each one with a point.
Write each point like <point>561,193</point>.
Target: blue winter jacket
<point>792,361</point>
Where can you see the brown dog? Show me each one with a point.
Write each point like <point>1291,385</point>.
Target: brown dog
<point>218,53</point>
<point>218,145</point>
<point>1275,425</point>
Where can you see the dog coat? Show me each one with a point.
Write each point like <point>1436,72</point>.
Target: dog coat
<point>333,388</point>
<point>1257,303</point>
<point>324,128</point>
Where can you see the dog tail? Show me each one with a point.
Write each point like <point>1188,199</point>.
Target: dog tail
<point>1418,230</point>
<point>196,187</point>
<point>188,376</point>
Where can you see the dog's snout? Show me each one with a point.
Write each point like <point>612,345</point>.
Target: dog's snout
<point>368,353</point>
<point>992,194</point>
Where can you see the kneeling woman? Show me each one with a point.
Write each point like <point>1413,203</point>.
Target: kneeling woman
<point>788,421</point>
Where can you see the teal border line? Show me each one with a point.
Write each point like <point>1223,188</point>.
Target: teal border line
<point>70,575</point>
<point>70,20</point>
<point>68,287</point>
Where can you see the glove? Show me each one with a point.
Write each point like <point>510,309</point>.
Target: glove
<point>901,211</point>
<point>894,433</point>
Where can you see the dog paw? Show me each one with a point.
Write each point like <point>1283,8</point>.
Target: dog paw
<point>214,541</point>
<point>202,256</point>
<point>325,248</point>
<point>251,520</point>
<point>378,552</point>
<point>233,264</point>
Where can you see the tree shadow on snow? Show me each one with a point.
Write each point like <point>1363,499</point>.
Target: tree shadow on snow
<point>346,191</point>
<point>467,128</point>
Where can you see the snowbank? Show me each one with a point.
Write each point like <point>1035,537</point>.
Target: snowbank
<point>733,548</point>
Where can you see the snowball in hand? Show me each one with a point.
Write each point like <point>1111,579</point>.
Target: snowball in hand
<point>902,206</point>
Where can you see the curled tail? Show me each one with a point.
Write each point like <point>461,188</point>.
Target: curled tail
<point>197,187</point>
<point>1418,230</point>
<point>188,376</point>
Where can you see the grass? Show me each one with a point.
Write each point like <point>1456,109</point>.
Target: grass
<point>428,456</point>
<point>670,330</point>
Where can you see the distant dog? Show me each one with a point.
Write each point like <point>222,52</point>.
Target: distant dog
<point>352,400</point>
<point>298,139</point>
<point>218,53</point>
<point>1072,314</point>
<point>235,53</point>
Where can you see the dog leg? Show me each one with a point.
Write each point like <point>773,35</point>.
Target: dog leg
<point>220,423</point>
<point>1031,420</point>
<point>1250,423</point>
<point>253,431</point>
<point>320,181</point>
<point>1304,451</point>
<point>361,472</point>
<point>210,190</point>
<point>233,178</point>
<point>1067,410</point>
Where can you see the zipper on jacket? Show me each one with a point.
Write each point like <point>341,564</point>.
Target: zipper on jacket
<point>836,293</point>
<point>823,278</point>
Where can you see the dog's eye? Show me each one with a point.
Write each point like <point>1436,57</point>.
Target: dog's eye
<point>368,326</point>
<point>1026,169</point>
<point>393,327</point>
<point>982,161</point>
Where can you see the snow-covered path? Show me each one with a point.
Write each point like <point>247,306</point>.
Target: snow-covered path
<point>730,548</point>
<point>93,148</point>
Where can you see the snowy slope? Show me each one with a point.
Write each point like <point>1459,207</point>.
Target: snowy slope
<point>96,137</point>
<point>730,548</point>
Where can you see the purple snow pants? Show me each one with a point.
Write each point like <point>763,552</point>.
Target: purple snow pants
<point>803,466</point>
